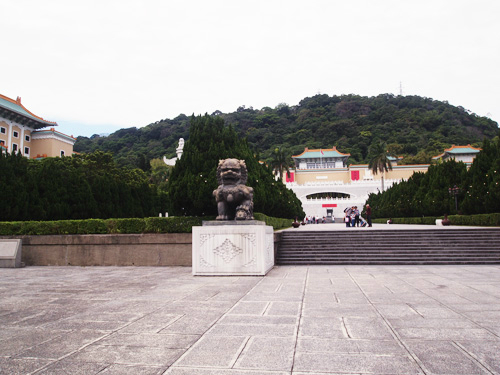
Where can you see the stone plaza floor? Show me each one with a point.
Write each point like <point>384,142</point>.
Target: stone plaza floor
<point>296,320</point>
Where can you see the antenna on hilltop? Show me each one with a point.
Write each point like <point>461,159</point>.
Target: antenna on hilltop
<point>400,88</point>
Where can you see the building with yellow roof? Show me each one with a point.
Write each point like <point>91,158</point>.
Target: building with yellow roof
<point>24,132</point>
<point>323,180</point>
<point>465,154</point>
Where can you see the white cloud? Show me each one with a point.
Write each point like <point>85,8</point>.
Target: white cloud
<point>130,63</point>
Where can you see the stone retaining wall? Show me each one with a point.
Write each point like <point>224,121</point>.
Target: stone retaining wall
<point>148,249</point>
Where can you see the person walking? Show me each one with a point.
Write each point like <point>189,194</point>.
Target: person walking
<point>356,216</point>
<point>368,210</point>
<point>347,217</point>
<point>353,216</point>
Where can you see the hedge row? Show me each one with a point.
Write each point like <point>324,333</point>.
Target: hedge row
<point>483,220</point>
<point>112,226</point>
<point>275,222</point>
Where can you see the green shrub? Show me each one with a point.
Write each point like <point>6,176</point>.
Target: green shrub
<point>172,224</point>
<point>276,223</point>
<point>181,224</point>
<point>482,220</point>
<point>131,225</point>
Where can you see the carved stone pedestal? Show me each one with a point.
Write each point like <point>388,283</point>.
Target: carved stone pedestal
<point>233,248</point>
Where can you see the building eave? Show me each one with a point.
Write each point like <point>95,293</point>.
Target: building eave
<point>13,110</point>
<point>306,151</point>
<point>52,133</point>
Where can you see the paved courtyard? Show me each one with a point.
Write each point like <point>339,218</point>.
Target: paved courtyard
<point>296,320</point>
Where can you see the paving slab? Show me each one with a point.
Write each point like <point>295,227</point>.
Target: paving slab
<point>296,320</point>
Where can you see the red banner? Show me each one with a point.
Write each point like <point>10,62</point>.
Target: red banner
<point>329,205</point>
<point>354,175</point>
<point>291,178</point>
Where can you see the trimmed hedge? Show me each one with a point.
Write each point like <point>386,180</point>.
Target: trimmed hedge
<point>113,226</point>
<point>482,220</point>
<point>101,226</point>
<point>275,222</point>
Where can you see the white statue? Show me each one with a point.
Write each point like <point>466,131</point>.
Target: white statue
<point>179,151</point>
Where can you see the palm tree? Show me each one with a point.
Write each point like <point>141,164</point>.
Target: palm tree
<point>380,161</point>
<point>281,162</point>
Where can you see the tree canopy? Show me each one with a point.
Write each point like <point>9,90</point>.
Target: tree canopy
<point>193,179</point>
<point>78,187</point>
<point>428,194</point>
<point>411,126</point>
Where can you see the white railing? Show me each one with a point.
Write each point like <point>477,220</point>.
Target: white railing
<point>387,183</point>
<point>333,200</point>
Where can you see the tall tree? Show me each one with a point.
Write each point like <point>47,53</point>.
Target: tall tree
<point>409,125</point>
<point>281,162</point>
<point>193,178</point>
<point>78,187</point>
<point>379,161</point>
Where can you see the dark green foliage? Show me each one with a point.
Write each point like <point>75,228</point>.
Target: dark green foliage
<point>482,187</point>
<point>427,194</point>
<point>409,125</point>
<point>483,220</point>
<point>424,194</point>
<point>78,187</point>
<point>276,223</point>
<point>134,147</point>
<point>193,178</point>
<point>100,226</point>
<point>281,163</point>
<point>426,220</point>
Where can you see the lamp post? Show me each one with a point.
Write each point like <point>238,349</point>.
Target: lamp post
<point>455,190</point>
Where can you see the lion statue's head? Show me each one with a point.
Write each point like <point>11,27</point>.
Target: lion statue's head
<point>232,172</point>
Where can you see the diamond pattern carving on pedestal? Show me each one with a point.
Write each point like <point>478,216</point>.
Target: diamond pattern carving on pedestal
<point>227,250</point>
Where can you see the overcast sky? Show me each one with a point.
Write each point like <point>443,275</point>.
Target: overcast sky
<point>96,66</point>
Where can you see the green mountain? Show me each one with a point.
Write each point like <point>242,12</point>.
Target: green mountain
<point>415,127</point>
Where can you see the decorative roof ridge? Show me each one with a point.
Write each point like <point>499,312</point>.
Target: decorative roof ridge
<point>18,103</point>
<point>454,147</point>
<point>52,130</point>
<point>334,148</point>
<point>468,146</point>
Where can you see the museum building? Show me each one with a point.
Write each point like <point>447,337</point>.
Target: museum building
<point>326,184</point>
<point>22,131</point>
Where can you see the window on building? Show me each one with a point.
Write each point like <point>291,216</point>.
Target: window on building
<point>15,134</point>
<point>3,130</point>
<point>27,138</point>
<point>26,150</point>
<point>14,147</point>
<point>62,153</point>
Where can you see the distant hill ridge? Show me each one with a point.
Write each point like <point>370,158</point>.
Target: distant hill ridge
<point>413,126</point>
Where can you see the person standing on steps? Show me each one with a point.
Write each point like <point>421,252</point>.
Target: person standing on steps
<point>347,217</point>
<point>368,210</point>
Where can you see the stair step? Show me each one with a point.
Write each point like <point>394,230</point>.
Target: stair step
<point>456,246</point>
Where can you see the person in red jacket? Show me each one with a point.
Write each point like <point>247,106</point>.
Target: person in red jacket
<point>368,210</point>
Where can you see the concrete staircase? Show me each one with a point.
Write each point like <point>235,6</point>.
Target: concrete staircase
<point>436,246</point>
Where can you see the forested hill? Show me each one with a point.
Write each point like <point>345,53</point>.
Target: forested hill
<point>410,125</point>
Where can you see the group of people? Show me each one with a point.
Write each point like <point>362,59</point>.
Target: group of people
<point>315,220</point>
<point>353,217</point>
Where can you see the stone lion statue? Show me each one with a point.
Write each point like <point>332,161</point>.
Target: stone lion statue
<point>234,199</point>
